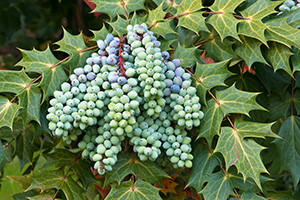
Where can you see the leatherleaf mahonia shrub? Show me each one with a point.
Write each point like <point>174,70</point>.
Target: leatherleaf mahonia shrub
<point>170,99</point>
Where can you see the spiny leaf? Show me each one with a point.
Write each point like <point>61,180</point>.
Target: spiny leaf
<point>156,15</point>
<point>147,170</point>
<point>279,31</point>
<point>249,50</point>
<point>249,195</point>
<point>296,60</point>
<point>210,75</point>
<point>243,153</point>
<point>45,63</point>
<point>260,9</point>
<point>114,7</point>
<point>8,112</point>
<point>288,147</point>
<point>166,44</point>
<point>254,129</point>
<point>217,49</point>
<point>100,34</point>
<point>25,146</point>
<point>230,100</point>
<point>228,6</point>
<point>49,179</point>
<point>63,158</point>
<point>19,83</point>
<point>73,45</point>
<point>225,24</point>
<point>163,28</point>
<point>119,26</point>
<point>140,190</point>
<point>138,19</point>
<point>218,187</point>
<point>279,106</point>
<point>294,18</point>
<point>236,101</point>
<point>204,164</point>
<point>186,55</point>
<point>278,55</point>
<point>193,21</point>
<point>253,28</point>
<point>189,6</point>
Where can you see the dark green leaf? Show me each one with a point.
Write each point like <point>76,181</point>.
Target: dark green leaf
<point>288,146</point>
<point>140,190</point>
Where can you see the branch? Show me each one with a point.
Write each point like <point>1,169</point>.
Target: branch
<point>123,5</point>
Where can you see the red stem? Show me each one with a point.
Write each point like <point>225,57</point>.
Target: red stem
<point>122,69</point>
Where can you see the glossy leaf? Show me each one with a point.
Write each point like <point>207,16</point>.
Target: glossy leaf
<point>114,7</point>
<point>29,95</point>
<point>243,153</point>
<point>278,55</point>
<point>155,15</point>
<point>73,45</point>
<point>186,55</point>
<point>8,112</point>
<point>119,26</point>
<point>218,187</point>
<point>288,147</point>
<point>203,165</point>
<point>193,21</point>
<point>210,75</point>
<point>44,62</point>
<point>138,190</point>
<point>220,5</point>
<point>126,165</point>
<point>163,28</point>
<point>249,50</point>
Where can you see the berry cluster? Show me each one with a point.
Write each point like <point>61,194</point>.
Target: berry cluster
<point>129,88</point>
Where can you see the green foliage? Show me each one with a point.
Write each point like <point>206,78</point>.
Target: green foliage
<point>247,146</point>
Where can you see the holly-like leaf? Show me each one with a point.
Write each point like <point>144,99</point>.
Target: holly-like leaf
<point>218,187</point>
<point>147,170</point>
<point>249,195</point>
<point>156,15</point>
<point>296,101</point>
<point>209,76</point>
<point>73,45</point>
<point>49,179</point>
<point>8,112</point>
<point>163,29</point>
<point>220,5</point>
<point>243,153</point>
<point>166,45</point>
<point>254,29</point>
<point>63,158</point>
<point>293,18</point>
<point>288,147</point>
<point>278,30</point>
<point>204,164</point>
<point>45,63</point>
<point>138,190</point>
<point>19,83</point>
<point>230,100</point>
<point>279,106</point>
<point>189,6</point>
<point>193,21</point>
<point>225,24</point>
<point>254,129</point>
<point>100,34</point>
<point>215,48</point>
<point>260,9</point>
<point>186,55</point>
<point>119,26</point>
<point>249,50</point>
<point>115,7</point>
<point>138,19</point>
<point>278,55</point>
<point>296,60</point>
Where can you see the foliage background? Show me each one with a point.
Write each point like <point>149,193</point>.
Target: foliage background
<point>27,24</point>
